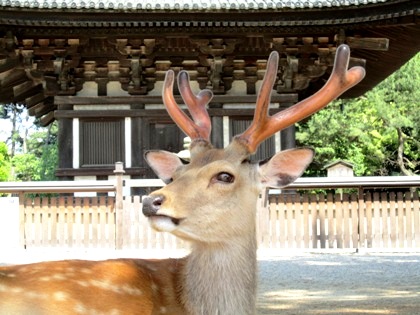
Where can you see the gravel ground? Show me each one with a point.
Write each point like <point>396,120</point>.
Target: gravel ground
<point>307,283</point>
<point>340,284</point>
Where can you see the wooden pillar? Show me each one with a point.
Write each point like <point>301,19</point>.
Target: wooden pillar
<point>217,131</point>
<point>288,141</point>
<point>288,138</point>
<point>65,145</point>
<point>136,142</point>
<point>119,208</point>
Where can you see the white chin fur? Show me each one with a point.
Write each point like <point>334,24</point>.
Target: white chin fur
<point>162,224</point>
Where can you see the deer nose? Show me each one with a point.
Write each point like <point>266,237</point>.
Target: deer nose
<point>151,204</point>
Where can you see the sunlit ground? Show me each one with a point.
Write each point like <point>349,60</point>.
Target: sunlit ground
<point>302,283</point>
<point>340,284</point>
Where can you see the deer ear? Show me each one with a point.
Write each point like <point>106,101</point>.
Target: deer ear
<point>163,163</point>
<point>285,167</point>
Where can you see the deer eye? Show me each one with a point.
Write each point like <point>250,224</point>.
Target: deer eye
<point>225,177</point>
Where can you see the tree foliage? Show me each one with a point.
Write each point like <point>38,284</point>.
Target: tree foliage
<point>31,150</point>
<point>41,159</point>
<point>4,163</point>
<point>16,115</point>
<point>378,132</point>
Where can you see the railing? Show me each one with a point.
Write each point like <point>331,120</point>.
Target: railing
<point>359,220</point>
<point>371,220</point>
<point>320,182</point>
<point>355,182</point>
<point>378,220</point>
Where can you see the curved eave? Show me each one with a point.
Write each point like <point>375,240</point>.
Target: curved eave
<point>124,18</point>
<point>190,5</point>
<point>396,21</point>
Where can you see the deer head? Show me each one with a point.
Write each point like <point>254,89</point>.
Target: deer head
<point>213,198</point>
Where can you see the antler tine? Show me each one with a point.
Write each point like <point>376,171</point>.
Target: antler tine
<point>263,101</point>
<point>264,95</point>
<point>200,127</point>
<point>263,126</point>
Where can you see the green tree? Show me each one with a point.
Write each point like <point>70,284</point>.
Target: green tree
<point>41,160</point>
<point>4,163</point>
<point>26,167</point>
<point>33,149</point>
<point>14,113</point>
<point>334,136</point>
<point>397,103</point>
<point>49,153</point>
<point>377,132</point>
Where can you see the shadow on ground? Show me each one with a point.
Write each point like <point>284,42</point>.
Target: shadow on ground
<point>340,284</point>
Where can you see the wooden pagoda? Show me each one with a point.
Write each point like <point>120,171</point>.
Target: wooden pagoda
<point>97,67</point>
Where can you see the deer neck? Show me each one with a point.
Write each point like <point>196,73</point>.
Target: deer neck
<point>221,278</point>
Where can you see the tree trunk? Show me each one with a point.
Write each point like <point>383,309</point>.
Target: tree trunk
<point>14,131</point>
<point>400,157</point>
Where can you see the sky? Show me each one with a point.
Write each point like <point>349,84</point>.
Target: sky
<point>6,126</point>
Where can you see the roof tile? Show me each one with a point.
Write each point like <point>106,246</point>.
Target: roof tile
<point>187,5</point>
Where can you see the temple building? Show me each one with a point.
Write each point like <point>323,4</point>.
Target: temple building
<point>97,67</point>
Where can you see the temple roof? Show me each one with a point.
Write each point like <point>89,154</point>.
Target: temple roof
<point>50,48</point>
<point>196,5</point>
<point>349,14</point>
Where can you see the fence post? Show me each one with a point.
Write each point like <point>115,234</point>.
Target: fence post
<point>119,209</point>
<point>22,220</point>
<point>262,219</point>
<point>360,218</point>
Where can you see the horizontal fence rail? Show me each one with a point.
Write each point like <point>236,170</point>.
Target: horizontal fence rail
<point>300,183</point>
<point>355,182</point>
<point>57,186</point>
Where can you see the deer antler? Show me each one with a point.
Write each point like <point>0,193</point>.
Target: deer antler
<point>200,128</point>
<point>263,126</point>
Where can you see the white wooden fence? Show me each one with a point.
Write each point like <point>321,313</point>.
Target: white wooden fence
<point>377,220</point>
<point>360,220</point>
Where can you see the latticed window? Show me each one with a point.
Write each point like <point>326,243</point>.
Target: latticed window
<point>101,142</point>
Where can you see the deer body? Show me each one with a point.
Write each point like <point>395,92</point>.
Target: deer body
<point>122,286</point>
<point>218,277</point>
<point>130,286</point>
<point>210,202</point>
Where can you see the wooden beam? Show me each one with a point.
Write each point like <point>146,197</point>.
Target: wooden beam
<point>41,109</point>
<point>25,90</point>
<point>12,78</point>
<point>98,171</point>
<point>44,109</point>
<point>47,119</point>
<point>35,99</point>
<point>380,44</point>
<point>150,113</point>
<point>157,99</point>
<point>8,64</point>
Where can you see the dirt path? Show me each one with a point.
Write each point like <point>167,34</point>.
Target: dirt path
<point>303,283</point>
<point>311,284</point>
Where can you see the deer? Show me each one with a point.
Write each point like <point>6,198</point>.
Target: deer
<point>209,202</point>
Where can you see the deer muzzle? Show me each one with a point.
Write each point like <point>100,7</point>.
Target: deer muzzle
<point>151,207</point>
<point>152,204</point>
